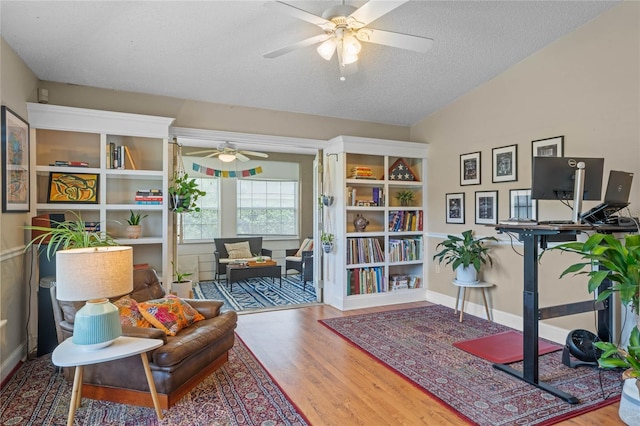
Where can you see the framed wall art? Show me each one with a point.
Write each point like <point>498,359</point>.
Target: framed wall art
<point>521,205</point>
<point>455,207</point>
<point>550,147</point>
<point>505,163</point>
<point>470,168</point>
<point>79,188</point>
<point>487,207</point>
<point>15,161</point>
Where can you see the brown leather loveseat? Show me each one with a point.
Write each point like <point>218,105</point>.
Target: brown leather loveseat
<point>177,366</point>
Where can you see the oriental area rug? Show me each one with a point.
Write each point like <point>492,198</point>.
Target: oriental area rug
<point>417,343</point>
<point>257,293</point>
<point>240,392</point>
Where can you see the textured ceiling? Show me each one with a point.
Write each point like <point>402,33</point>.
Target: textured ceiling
<point>212,51</point>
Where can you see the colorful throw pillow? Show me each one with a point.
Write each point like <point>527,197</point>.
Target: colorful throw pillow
<point>170,314</point>
<point>307,245</point>
<point>239,250</point>
<point>129,313</point>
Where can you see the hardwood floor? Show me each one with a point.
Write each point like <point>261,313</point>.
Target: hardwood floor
<point>333,383</point>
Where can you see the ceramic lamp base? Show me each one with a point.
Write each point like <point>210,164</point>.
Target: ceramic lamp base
<point>96,325</point>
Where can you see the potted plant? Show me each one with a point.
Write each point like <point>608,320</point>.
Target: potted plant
<point>327,241</point>
<point>184,193</point>
<point>181,286</point>
<point>406,197</point>
<point>134,229</point>
<point>466,255</point>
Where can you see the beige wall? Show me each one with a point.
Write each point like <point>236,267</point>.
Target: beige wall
<point>18,85</point>
<point>584,86</point>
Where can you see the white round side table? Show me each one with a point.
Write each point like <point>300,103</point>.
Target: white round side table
<point>463,286</point>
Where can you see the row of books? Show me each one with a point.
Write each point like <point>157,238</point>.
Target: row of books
<point>364,250</point>
<point>402,282</point>
<point>118,156</point>
<point>366,281</point>
<point>65,163</point>
<point>406,249</point>
<point>403,220</point>
<point>149,196</point>
<point>377,197</point>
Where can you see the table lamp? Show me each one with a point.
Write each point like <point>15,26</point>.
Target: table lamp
<point>94,274</point>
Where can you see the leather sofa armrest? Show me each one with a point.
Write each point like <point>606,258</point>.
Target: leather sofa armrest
<point>208,308</point>
<point>147,333</point>
<point>267,252</point>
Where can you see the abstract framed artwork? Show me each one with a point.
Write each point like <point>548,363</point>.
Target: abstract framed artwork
<point>505,163</point>
<point>550,147</point>
<point>470,168</point>
<point>521,205</point>
<point>455,207</point>
<point>487,207</point>
<point>15,160</point>
<point>79,188</point>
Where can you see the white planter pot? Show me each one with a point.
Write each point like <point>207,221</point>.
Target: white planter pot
<point>133,231</point>
<point>630,403</point>
<point>466,274</point>
<point>182,289</point>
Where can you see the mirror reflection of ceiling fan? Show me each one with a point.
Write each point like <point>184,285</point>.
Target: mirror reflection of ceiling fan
<point>228,153</point>
<point>344,28</point>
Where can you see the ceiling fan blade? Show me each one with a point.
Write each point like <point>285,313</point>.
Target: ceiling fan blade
<point>298,45</point>
<point>401,41</point>
<point>299,13</point>
<point>241,157</point>
<point>255,154</point>
<point>371,11</point>
<point>213,154</point>
<point>200,152</point>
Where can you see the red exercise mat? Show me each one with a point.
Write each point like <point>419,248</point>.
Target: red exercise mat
<point>502,348</point>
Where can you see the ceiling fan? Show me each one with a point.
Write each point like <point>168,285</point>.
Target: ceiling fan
<point>227,153</point>
<point>345,27</point>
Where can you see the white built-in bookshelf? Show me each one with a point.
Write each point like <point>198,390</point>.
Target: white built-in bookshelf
<point>383,264</point>
<point>88,137</point>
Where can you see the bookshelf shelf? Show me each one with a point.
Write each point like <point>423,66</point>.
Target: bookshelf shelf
<point>355,278</point>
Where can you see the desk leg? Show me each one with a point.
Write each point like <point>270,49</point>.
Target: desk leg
<point>152,385</point>
<point>75,395</point>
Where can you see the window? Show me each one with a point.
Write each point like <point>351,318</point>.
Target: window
<point>267,207</point>
<point>204,225</point>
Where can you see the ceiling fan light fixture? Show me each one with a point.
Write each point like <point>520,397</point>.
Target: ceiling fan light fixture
<point>327,49</point>
<point>227,158</point>
<point>351,45</point>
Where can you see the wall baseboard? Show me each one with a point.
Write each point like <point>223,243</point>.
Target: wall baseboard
<point>11,362</point>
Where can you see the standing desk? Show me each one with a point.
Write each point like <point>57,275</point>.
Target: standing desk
<point>531,236</point>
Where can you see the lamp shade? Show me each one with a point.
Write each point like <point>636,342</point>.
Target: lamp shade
<point>94,273</point>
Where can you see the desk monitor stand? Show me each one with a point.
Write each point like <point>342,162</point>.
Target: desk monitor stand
<point>577,192</point>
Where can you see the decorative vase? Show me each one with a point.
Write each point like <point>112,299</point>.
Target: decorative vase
<point>133,231</point>
<point>180,201</point>
<point>466,274</point>
<point>629,411</point>
<point>327,247</point>
<point>327,200</point>
<point>360,223</point>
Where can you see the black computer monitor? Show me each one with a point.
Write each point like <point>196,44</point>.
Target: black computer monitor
<point>553,178</point>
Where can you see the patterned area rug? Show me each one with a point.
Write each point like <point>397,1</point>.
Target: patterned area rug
<point>257,293</point>
<point>241,392</point>
<point>418,344</point>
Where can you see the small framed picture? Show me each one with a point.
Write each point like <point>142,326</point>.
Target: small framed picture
<point>521,205</point>
<point>550,147</point>
<point>80,188</point>
<point>505,163</point>
<point>487,207</point>
<point>470,168</point>
<point>15,161</point>
<point>455,207</point>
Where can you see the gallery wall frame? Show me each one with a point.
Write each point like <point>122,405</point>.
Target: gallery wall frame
<point>470,170</point>
<point>455,207</point>
<point>15,162</point>
<point>521,205</point>
<point>505,163</point>
<point>549,147</point>
<point>486,207</point>
<point>78,188</point>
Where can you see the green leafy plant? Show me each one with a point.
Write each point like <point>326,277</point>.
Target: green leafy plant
<point>179,276</point>
<point>615,357</point>
<point>405,197</point>
<point>184,193</point>
<point>135,218</point>
<point>465,251</point>
<point>606,257</point>
<point>258,257</point>
<point>67,235</point>
<point>326,238</point>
